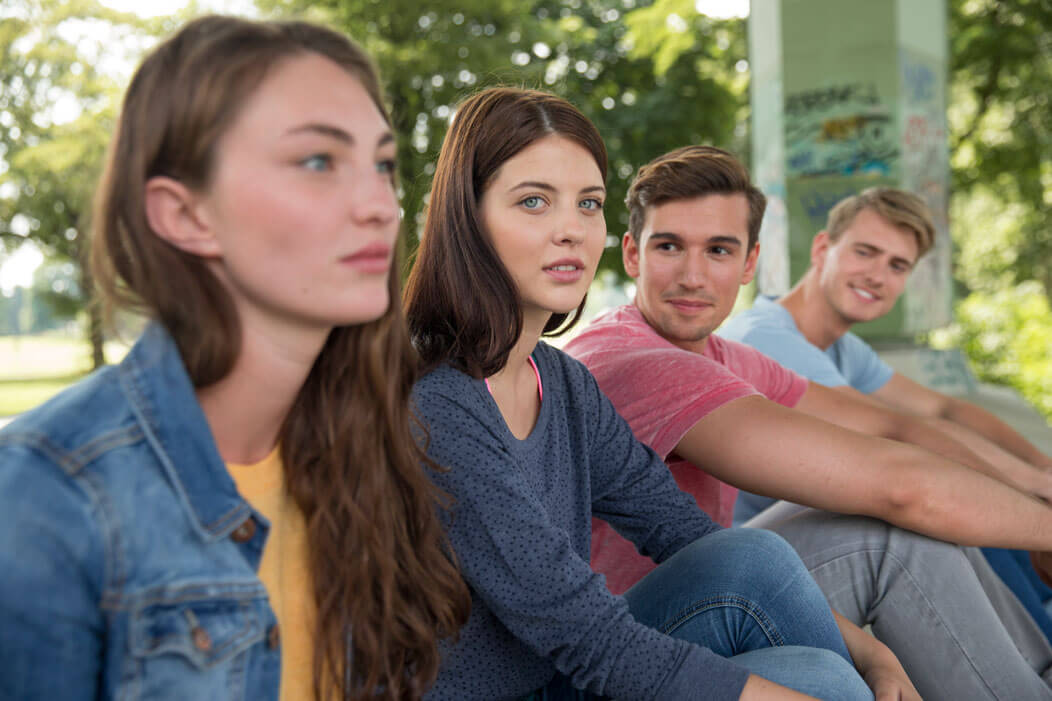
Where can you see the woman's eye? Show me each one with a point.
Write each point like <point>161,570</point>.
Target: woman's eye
<point>592,203</point>
<point>387,166</point>
<point>532,202</point>
<point>317,162</point>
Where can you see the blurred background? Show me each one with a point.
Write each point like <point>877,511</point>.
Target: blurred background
<point>652,75</point>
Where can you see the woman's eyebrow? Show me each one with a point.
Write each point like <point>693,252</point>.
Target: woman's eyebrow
<point>323,129</point>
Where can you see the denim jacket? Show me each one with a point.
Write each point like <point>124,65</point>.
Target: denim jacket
<point>127,558</point>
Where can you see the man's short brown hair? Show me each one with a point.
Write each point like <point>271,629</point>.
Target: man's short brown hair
<point>689,172</point>
<point>899,208</point>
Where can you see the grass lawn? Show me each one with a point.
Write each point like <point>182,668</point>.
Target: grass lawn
<point>33,368</point>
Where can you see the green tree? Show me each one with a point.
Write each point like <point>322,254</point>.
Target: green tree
<point>652,78</point>
<point>1007,336</point>
<point>595,53</point>
<point>1000,119</point>
<point>1001,133</point>
<point>57,107</point>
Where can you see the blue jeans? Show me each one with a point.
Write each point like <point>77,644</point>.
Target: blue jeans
<point>745,595</point>
<point>1013,566</point>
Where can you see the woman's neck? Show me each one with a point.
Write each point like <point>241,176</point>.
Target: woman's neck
<point>514,387</point>
<point>247,408</point>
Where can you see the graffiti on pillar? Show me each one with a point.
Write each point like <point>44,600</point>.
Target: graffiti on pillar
<point>925,171</point>
<point>817,202</point>
<point>843,129</point>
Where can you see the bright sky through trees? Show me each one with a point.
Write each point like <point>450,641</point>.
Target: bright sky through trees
<point>16,269</point>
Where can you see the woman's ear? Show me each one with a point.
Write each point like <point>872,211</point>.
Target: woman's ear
<point>174,213</point>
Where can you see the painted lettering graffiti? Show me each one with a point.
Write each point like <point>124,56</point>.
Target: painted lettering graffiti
<point>839,130</point>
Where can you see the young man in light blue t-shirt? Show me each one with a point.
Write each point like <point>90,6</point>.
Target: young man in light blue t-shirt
<point>859,267</point>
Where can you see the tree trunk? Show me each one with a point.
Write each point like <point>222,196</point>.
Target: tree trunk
<point>95,335</point>
<point>93,307</point>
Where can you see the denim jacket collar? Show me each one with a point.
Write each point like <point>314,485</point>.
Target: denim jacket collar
<point>160,393</point>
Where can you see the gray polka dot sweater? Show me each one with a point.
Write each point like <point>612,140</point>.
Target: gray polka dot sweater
<point>520,527</point>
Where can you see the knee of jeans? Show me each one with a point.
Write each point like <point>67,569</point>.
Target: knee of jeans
<point>765,553</point>
<point>836,678</point>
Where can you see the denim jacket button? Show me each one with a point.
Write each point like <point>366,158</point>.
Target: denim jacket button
<point>202,641</point>
<point>274,637</point>
<point>244,532</point>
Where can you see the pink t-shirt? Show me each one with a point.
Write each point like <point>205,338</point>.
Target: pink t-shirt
<point>662,391</point>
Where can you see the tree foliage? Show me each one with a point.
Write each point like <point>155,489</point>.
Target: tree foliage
<point>652,75</point>
<point>1007,334</point>
<point>1001,139</point>
<point>57,108</point>
<point>596,53</point>
<point>1001,130</point>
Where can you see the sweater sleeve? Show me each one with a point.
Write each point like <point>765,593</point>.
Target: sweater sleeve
<point>633,490</point>
<point>523,568</point>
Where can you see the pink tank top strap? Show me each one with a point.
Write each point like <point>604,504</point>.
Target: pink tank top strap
<point>536,373</point>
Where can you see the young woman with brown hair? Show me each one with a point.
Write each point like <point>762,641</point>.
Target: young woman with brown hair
<point>241,499</point>
<point>533,449</point>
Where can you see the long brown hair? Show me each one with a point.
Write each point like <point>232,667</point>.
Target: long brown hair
<point>379,561</point>
<point>461,303</point>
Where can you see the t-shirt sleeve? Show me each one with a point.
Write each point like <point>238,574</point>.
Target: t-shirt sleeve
<point>663,392</point>
<point>795,352</point>
<point>524,569</point>
<point>772,379</point>
<point>866,371</point>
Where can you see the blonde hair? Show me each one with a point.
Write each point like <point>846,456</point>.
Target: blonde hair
<point>899,208</point>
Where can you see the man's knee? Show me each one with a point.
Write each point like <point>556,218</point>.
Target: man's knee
<point>820,536</point>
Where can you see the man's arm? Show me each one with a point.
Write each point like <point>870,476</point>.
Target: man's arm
<point>904,393</point>
<point>757,445</point>
<point>849,408</point>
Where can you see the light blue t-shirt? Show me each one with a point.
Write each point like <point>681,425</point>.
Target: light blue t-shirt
<point>769,328</point>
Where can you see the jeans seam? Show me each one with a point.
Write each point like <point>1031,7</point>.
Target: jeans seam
<point>752,609</point>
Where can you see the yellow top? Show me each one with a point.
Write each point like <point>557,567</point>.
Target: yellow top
<point>284,569</point>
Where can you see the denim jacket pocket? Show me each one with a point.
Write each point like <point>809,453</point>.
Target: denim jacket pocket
<point>205,632</point>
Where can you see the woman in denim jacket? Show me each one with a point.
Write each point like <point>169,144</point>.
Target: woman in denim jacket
<point>240,500</point>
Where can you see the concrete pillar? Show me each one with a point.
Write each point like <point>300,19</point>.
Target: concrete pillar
<point>847,94</point>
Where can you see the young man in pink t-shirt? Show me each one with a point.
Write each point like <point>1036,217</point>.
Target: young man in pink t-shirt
<point>718,412</point>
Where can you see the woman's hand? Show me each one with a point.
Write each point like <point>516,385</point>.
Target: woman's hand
<point>890,683</point>
<point>880,669</point>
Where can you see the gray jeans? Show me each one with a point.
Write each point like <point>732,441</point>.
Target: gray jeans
<point>957,629</point>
